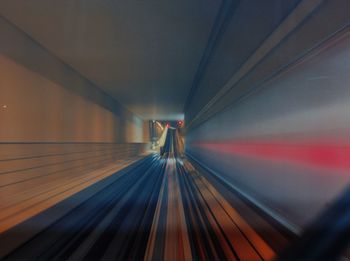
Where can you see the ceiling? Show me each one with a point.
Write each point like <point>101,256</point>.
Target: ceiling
<point>143,53</point>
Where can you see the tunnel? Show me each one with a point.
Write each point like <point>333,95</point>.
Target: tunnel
<point>175,130</point>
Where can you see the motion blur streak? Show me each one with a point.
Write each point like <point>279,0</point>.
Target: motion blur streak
<point>329,156</point>
<point>159,208</point>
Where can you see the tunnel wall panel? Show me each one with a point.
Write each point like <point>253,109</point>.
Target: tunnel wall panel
<point>287,143</point>
<point>44,99</point>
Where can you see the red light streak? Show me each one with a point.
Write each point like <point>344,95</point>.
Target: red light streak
<point>318,155</point>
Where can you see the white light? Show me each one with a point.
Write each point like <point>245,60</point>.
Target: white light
<point>160,125</point>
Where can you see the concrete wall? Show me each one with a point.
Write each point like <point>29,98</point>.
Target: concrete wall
<point>280,134</point>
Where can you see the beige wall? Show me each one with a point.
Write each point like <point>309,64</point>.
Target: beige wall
<point>146,131</point>
<point>47,100</point>
<point>41,110</point>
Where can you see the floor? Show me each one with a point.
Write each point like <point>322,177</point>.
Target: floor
<point>158,208</point>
